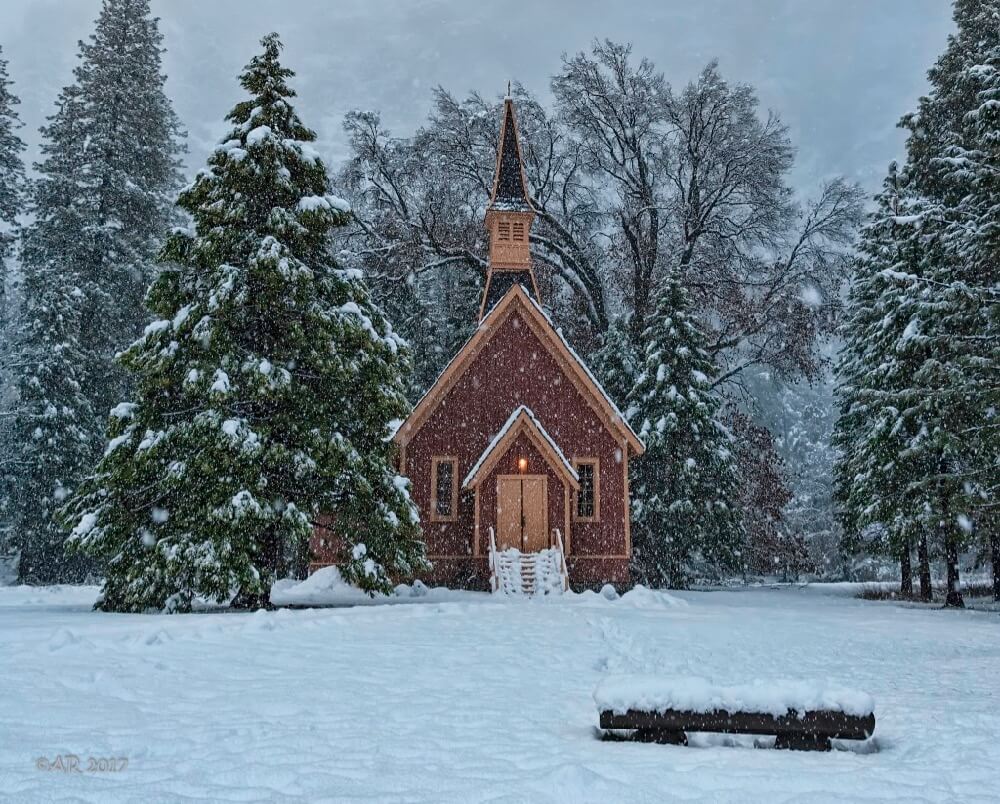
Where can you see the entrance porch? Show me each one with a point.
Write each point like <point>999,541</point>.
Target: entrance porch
<point>522,486</point>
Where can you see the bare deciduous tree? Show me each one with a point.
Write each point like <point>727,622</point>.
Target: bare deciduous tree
<point>630,179</point>
<point>696,180</point>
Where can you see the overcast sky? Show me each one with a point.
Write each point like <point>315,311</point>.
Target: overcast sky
<point>839,72</point>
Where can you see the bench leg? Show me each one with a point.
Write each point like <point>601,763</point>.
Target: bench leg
<point>803,742</point>
<point>661,736</point>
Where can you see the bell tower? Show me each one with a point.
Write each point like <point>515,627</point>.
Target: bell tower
<point>509,216</point>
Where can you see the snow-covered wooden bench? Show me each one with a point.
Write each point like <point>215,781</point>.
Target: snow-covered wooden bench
<point>800,715</point>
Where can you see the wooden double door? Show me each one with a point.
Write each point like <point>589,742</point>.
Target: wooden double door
<point>522,512</point>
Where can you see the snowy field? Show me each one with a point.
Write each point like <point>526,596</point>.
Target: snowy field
<point>458,697</point>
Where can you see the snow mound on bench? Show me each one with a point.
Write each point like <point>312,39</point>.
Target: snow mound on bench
<point>649,693</point>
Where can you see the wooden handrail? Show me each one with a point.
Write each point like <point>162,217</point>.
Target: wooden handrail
<point>494,564</point>
<point>563,567</point>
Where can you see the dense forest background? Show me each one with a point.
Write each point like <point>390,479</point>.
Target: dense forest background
<point>746,180</point>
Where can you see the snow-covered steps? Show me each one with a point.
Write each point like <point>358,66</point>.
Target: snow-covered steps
<point>515,573</point>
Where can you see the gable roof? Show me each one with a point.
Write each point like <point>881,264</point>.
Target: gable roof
<point>522,420</point>
<point>517,299</point>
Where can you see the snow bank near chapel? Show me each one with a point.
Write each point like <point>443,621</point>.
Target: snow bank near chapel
<point>327,587</point>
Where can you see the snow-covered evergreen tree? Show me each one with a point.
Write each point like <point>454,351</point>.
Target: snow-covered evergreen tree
<point>51,440</point>
<point>952,157</point>
<point>53,429</point>
<point>966,309</point>
<point>129,176</point>
<point>266,388</point>
<point>100,210</point>
<point>685,511</point>
<point>875,469</point>
<point>918,426</point>
<point>616,362</point>
<point>12,185</point>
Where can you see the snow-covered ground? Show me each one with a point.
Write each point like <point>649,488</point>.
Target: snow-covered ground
<point>465,698</point>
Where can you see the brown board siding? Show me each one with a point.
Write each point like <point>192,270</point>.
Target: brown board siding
<point>512,369</point>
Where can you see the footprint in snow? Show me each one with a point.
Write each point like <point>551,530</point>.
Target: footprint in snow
<point>63,638</point>
<point>160,637</point>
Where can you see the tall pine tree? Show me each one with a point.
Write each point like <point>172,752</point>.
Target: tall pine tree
<point>875,470</point>
<point>51,442</point>
<point>919,425</point>
<point>686,499</point>
<point>954,391</point>
<point>12,185</point>
<point>266,388</point>
<point>132,172</point>
<point>12,190</point>
<point>966,317</point>
<point>101,208</point>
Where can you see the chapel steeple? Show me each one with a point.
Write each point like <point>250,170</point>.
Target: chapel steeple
<point>509,215</point>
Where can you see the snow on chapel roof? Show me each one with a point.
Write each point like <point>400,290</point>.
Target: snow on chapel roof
<point>527,419</point>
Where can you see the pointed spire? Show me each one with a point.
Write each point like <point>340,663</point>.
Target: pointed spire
<point>509,215</point>
<point>510,189</point>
